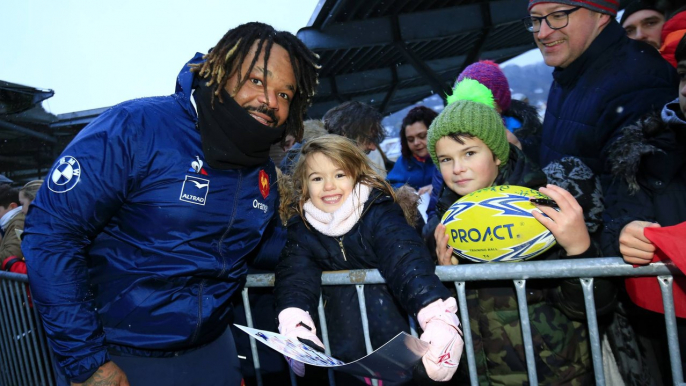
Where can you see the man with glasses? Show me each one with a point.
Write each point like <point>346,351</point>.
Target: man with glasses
<point>602,79</point>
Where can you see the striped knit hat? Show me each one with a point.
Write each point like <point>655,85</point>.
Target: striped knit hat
<point>490,75</point>
<point>603,6</point>
<point>470,110</point>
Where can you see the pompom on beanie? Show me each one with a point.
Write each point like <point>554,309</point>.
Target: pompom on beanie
<point>490,75</point>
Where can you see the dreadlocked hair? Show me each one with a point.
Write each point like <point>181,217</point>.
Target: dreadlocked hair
<point>225,60</point>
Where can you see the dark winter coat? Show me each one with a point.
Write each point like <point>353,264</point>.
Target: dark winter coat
<point>613,83</point>
<point>561,347</point>
<point>381,239</point>
<point>649,170</point>
<point>412,172</point>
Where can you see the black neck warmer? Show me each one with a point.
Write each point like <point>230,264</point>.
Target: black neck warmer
<point>231,138</point>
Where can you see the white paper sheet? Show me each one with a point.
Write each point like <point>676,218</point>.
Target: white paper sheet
<point>394,361</point>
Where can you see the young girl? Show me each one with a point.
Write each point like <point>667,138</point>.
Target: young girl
<point>347,218</point>
<point>468,143</point>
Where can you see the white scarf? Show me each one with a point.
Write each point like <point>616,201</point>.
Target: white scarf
<point>344,218</point>
<point>8,216</point>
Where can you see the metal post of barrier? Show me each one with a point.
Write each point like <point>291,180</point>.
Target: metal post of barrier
<point>10,333</point>
<point>670,323</point>
<point>325,336</point>
<point>520,287</point>
<point>35,357</point>
<point>413,326</point>
<point>467,332</point>
<point>9,356</point>
<point>365,323</point>
<point>593,332</point>
<point>25,334</point>
<point>253,343</point>
<point>44,349</point>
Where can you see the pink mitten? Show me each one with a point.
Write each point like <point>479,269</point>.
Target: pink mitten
<point>442,332</point>
<point>298,326</point>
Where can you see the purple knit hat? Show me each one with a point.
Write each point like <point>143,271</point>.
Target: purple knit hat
<point>490,75</point>
<point>603,6</point>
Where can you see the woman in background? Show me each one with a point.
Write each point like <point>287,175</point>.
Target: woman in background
<point>414,167</point>
<point>28,193</point>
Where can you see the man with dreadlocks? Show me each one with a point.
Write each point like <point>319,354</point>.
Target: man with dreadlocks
<point>149,216</point>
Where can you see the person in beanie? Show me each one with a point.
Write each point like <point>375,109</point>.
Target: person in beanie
<point>518,116</point>
<point>672,32</point>
<point>649,166</point>
<point>602,80</point>
<point>642,21</point>
<point>468,143</point>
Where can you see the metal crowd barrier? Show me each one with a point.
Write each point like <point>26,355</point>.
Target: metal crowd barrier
<point>584,269</point>
<point>24,355</point>
<point>25,359</point>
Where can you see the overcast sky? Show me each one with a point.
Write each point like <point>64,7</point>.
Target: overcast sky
<point>101,52</point>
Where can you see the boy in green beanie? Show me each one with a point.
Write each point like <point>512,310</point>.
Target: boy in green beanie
<point>468,143</point>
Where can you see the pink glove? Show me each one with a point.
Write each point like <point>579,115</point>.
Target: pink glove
<point>442,332</point>
<point>298,326</point>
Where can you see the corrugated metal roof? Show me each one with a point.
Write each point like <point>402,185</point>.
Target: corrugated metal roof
<point>393,53</point>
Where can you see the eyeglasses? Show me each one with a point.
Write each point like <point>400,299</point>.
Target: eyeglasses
<point>555,20</point>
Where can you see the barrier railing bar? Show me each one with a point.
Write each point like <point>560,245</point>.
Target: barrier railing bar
<point>571,268</point>
<point>253,342</point>
<point>10,334</point>
<point>413,326</point>
<point>18,342</point>
<point>467,332</point>
<point>47,358</point>
<point>8,355</point>
<point>593,333</point>
<point>670,322</point>
<point>365,322</point>
<point>520,287</point>
<point>325,336</point>
<point>35,353</point>
<point>29,337</point>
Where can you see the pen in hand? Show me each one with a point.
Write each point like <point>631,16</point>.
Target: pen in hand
<point>545,202</point>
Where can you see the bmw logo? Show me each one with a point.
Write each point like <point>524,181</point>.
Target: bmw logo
<point>64,175</point>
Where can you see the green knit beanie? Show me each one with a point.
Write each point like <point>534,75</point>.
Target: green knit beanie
<point>471,110</point>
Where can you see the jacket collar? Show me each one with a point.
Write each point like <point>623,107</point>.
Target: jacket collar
<point>608,37</point>
<point>186,83</point>
<point>671,113</point>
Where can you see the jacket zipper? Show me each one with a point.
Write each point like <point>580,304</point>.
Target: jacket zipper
<point>199,322</point>
<point>340,242</point>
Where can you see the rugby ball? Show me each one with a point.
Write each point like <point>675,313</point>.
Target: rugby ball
<point>496,224</point>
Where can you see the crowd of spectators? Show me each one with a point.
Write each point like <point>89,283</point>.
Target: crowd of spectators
<point>612,144</point>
